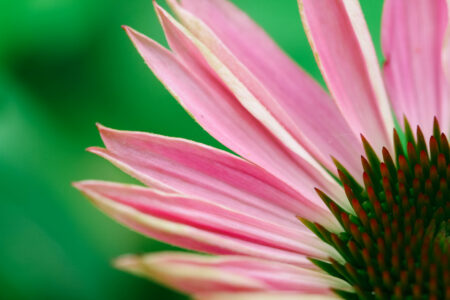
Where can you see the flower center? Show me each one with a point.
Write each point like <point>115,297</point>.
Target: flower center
<point>396,243</point>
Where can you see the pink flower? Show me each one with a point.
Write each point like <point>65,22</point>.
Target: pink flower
<point>376,229</point>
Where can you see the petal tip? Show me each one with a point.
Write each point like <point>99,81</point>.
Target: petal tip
<point>88,186</point>
<point>99,126</point>
<point>132,34</point>
<point>76,185</point>
<point>125,262</point>
<point>156,5</point>
<point>80,185</point>
<point>103,130</point>
<point>129,31</point>
<point>160,11</point>
<point>96,150</point>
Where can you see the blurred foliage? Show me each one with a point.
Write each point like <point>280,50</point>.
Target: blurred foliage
<point>64,65</point>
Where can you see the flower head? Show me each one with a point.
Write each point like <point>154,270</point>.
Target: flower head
<point>327,199</point>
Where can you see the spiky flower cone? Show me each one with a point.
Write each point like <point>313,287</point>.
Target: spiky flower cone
<point>396,241</point>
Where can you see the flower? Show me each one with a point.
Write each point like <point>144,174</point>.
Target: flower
<point>370,227</point>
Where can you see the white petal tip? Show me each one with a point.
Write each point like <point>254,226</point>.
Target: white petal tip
<point>99,126</point>
<point>83,186</point>
<point>126,262</point>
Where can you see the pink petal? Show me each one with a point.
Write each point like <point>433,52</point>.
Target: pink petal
<point>339,35</point>
<point>200,225</point>
<point>413,35</point>
<point>291,96</point>
<point>194,169</point>
<point>445,105</point>
<point>218,111</point>
<point>200,274</point>
<point>265,296</point>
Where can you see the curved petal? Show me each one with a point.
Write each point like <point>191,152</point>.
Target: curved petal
<point>191,168</point>
<point>412,38</point>
<point>218,111</point>
<point>265,296</point>
<point>292,99</point>
<point>199,225</point>
<point>200,274</point>
<point>339,35</point>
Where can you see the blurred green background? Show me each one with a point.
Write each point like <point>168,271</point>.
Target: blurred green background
<point>64,65</point>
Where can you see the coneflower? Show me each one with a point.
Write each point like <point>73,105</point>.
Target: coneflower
<point>328,199</point>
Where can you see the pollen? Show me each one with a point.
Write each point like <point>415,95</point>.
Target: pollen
<point>396,241</point>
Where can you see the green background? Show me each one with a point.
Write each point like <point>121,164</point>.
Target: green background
<point>64,65</point>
